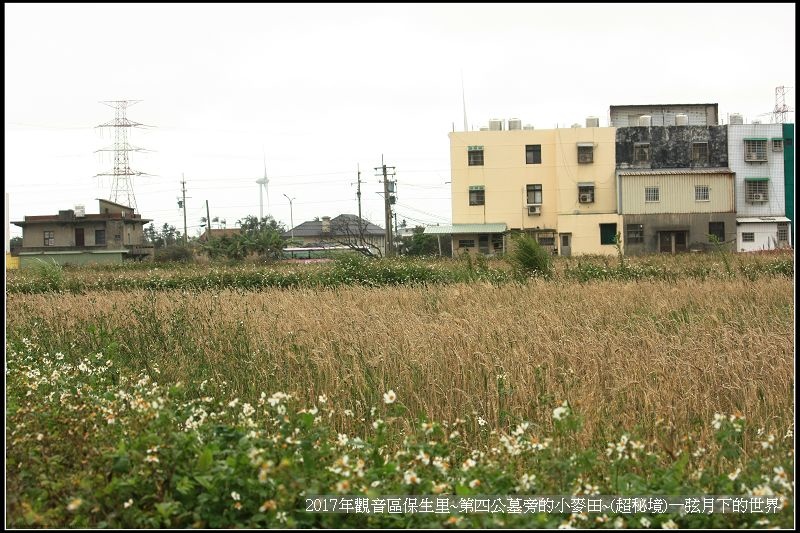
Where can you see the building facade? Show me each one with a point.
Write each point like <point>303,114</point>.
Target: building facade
<point>626,116</point>
<point>74,237</point>
<point>756,153</point>
<point>343,230</point>
<point>556,185</point>
<point>676,192</point>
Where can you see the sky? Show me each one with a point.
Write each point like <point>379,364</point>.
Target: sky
<point>315,92</point>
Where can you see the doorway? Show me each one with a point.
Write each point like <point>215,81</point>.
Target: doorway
<point>79,237</point>
<point>671,242</point>
<point>566,244</point>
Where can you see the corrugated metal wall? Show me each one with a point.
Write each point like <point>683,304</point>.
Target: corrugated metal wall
<point>677,194</point>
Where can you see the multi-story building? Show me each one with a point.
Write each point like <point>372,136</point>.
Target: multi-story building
<point>676,192</point>
<point>625,116</point>
<point>74,237</point>
<point>556,185</point>
<point>788,175</point>
<point>756,153</point>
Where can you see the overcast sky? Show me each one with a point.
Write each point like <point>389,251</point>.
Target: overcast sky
<point>321,89</point>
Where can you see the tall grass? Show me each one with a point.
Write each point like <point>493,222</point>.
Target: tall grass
<point>624,354</point>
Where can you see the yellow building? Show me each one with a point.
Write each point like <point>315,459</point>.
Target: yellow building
<point>557,185</point>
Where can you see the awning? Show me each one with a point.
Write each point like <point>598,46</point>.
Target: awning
<point>585,145</point>
<point>756,179</point>
<point>760,220</point>
<point>465,228</point>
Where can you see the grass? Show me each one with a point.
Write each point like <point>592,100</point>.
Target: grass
<point>652,358</point>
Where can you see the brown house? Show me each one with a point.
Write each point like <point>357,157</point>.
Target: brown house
<point>74,237</point>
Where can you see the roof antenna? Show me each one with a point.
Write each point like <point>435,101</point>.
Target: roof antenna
<point>464,101</point>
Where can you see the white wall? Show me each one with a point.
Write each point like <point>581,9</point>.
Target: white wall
<point>765,234</point>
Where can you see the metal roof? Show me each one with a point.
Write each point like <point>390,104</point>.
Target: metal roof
<point>341,225</point>
<point>747,220</point>
<point>466,228</point>
<point>672,171</point>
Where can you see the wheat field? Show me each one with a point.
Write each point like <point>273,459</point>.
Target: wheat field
<point>632,355</point>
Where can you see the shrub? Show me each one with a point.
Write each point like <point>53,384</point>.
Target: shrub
<point>528,258</point>
<point>172,254</point>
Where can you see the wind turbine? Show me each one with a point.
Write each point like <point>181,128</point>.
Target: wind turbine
<point>263,182</point>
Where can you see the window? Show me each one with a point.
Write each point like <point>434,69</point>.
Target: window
<point>749,237</point>
<point>699,152</point>
<point>49,238</point>
<point>533,154</point>
<point>756,190</point>
<point>585,153</point>
<point>641,153</point>
<point>783,232</point>
<point>608,233</point>
<point>547,240</point>
<point>716,229</point>
<point>475,156</point>
<point>701,193</point>
<point>100,236</point>
<point>534,194</point>
<point>777,145</point>
<point>586,194</point>
<point>477,195</point>
<point>483,244</point>
<point>755,149</point>
<point>466,243</point>
<point>651,194</point>
<point>634,233</point>
<point>497,242</point>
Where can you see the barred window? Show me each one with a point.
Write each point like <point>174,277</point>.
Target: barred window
<point>783,232</point>
<point>777,145</point>
<point>748,237</point>
<point>641,152</point>
<point>475,156</point>
<point>701,193</point>
<point>477,195</point>
<point>651,194</point>
<point>466,243</point>
<point>49,238</point>
<point>756,191</point>
<point>755,149</point>
<point>699,152</point>
<point>585,153</point>
<point>634,233</point>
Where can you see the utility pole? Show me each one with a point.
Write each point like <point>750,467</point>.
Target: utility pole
<point>361,225</point>
<point>208,223</point>
<point>183,205</point>
<point>396,227</point>
<point>387,205</point>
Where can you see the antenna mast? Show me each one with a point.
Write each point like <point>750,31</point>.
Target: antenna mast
<point>122,175</point>
<point>464,101</point>
<point>779,114</point>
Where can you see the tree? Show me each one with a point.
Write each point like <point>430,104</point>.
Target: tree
<point>260,237</point>
<point>351,231</point>
<point>421,244</point>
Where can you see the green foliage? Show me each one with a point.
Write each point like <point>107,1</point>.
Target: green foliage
<point>257,237</point>
<point>529,258</point>
<point>90,444</point>
<point>421,244</point>
<point>174,253</point>
<point>49,275</point>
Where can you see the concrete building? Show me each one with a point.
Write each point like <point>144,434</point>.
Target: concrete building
<point>74,237</point>
<point>788,175</point>
<point>675,188</point>
<point>627,116</point>
<point>556,185</point>
<point>756,153</point>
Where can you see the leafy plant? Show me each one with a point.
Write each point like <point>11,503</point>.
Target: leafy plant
<point>529,258</point>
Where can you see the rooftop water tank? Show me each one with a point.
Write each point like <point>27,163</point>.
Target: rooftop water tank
<point>496,124</point>
<point>645,120</point>
<point>514,124</point>
<point>681,119</point>
<point>592,122</point>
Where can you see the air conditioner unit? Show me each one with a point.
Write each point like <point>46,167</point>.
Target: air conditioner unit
<point>758,198</point>
<point>534,209</point>
<point>585,198</point>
